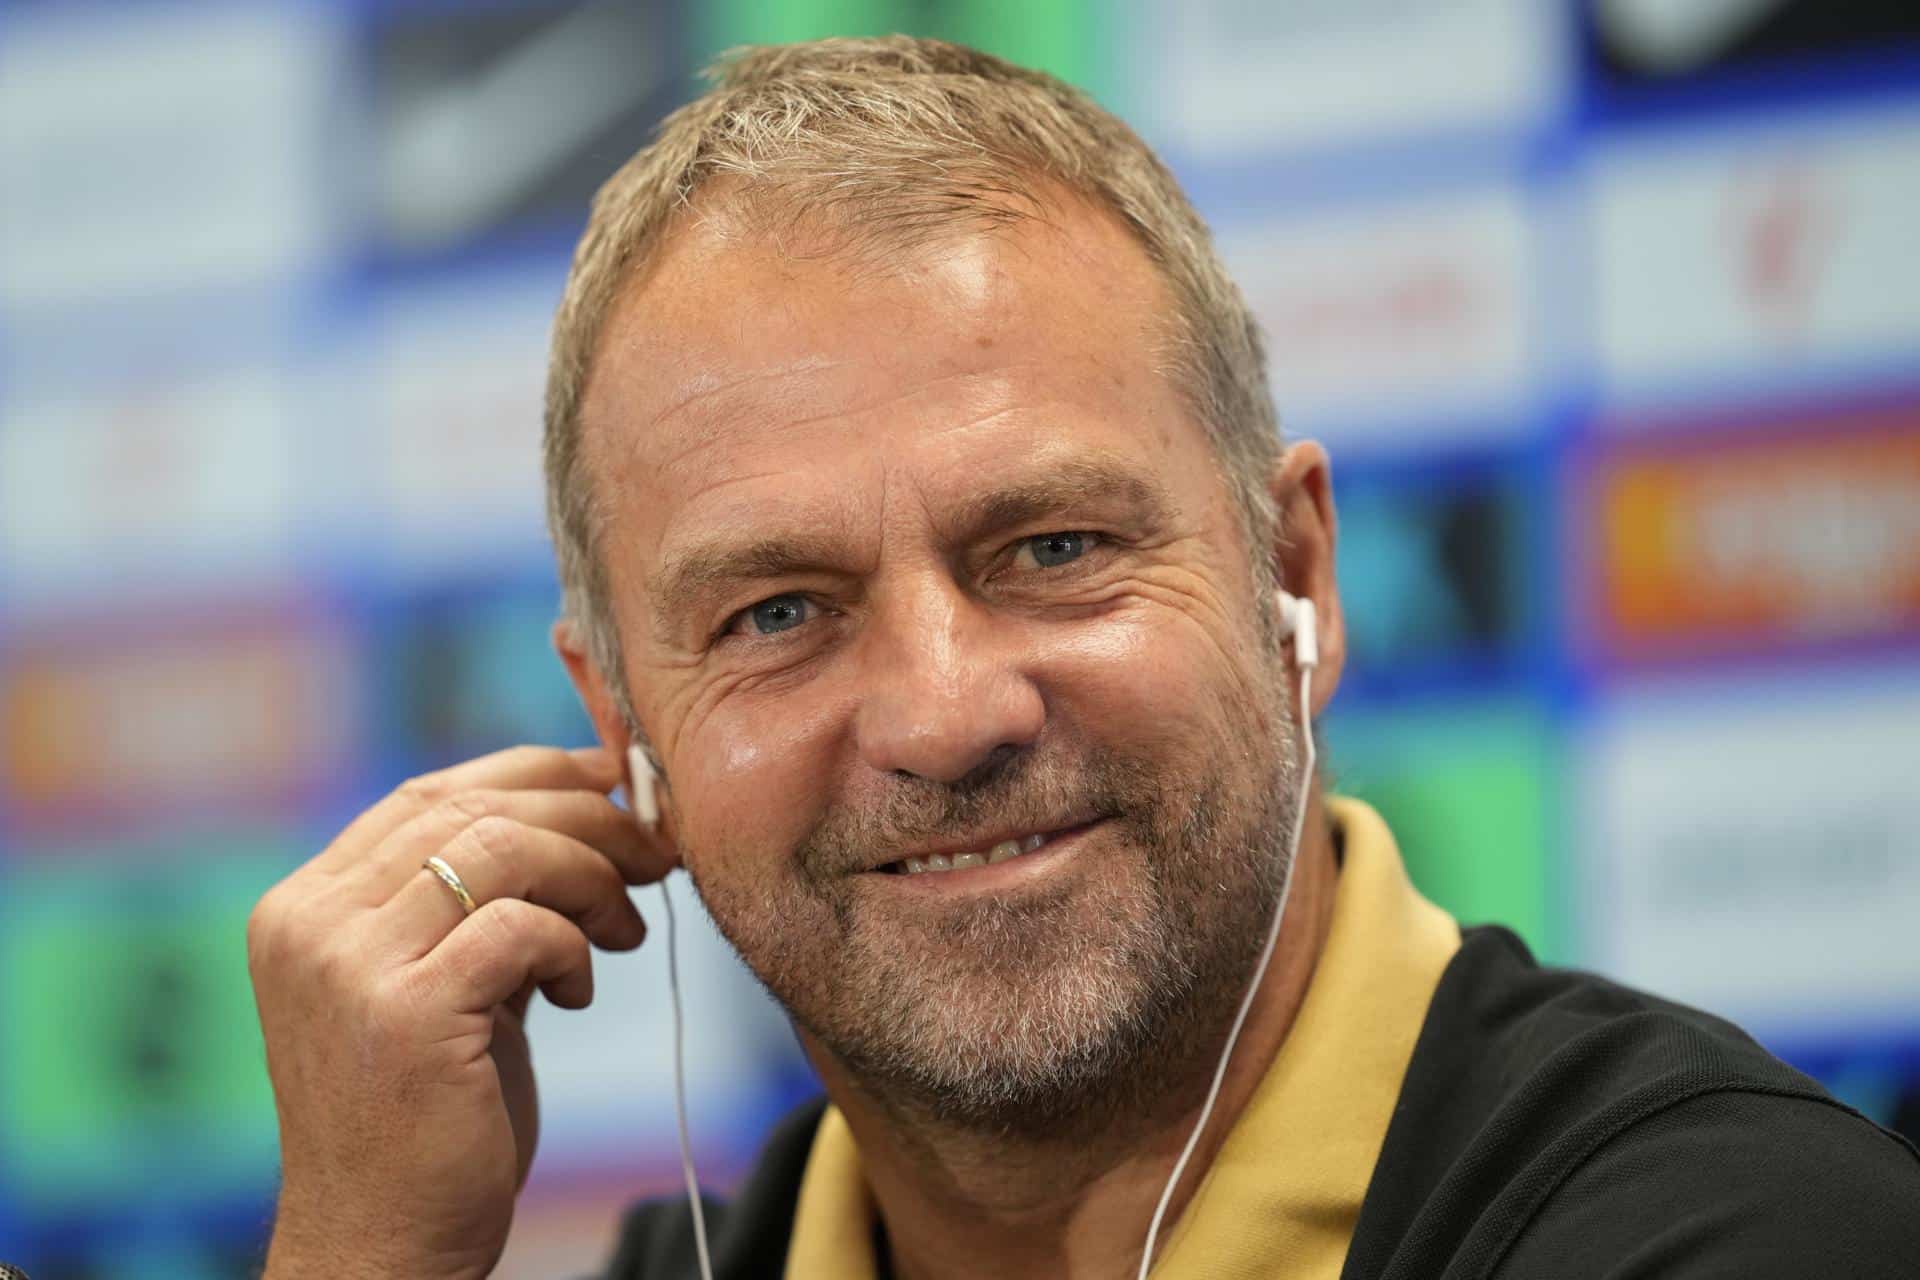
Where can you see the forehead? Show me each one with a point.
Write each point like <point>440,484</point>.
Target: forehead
<point>742,370</point>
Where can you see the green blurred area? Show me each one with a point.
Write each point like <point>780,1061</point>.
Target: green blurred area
<point>1063,37</point>
<point>1470,790</point>
<point>134,1062</point>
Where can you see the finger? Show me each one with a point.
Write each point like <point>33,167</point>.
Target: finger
<point>499,858</point>
<point>515,769</point>
<point>503,946</point>
<point>638,857</point>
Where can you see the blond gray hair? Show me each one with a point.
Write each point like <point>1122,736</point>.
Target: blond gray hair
<point>894,140</point>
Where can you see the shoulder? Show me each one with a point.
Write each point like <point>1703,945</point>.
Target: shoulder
<point>1532,1089</point>
<point>746,1235</point>
<point>1736,1184</point>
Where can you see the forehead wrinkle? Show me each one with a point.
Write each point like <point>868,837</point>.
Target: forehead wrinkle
<point>707,440</point>
<point>706,386</point>
<point>712,432</point>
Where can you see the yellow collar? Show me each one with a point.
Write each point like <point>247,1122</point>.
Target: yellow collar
<point>1284,1192</point>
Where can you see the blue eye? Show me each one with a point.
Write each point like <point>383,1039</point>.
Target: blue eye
<point>776,613</point>
<point>1052,549</point>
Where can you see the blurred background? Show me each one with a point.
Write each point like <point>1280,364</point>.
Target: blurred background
<point>1609,316</point>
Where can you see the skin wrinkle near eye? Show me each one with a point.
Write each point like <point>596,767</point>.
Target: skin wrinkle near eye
<point>1163,586</point>
<point>1141,585</point>
<point>1135,593</point>
<point>1065,574</point>
<point>1202,583</point>
<point>691,577</point>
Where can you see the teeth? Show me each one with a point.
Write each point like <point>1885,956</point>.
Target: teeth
<point>1001,852</point>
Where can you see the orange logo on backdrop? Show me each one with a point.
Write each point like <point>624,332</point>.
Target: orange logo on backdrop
<point>1736,542</point>
<point>241,713</point>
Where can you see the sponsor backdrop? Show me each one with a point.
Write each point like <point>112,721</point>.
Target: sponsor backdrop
<point>1609,316</point>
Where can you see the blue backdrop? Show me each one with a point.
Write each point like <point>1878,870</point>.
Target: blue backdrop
<point>1609,317</point>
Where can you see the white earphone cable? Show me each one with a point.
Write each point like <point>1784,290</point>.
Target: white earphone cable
<point>680,1094</point>
<point>1259,972</point>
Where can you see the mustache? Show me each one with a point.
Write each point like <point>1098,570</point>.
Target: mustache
<point>1015,790</point>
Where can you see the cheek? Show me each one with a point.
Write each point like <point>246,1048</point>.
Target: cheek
<point>751,785</point>
<point>1154,680</point>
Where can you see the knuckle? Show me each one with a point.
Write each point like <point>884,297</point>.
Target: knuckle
<point>266,912</point>
<point>263,930</point>
<point>276,927</point>
<point>464,808</point>
<point>425,790</point>
<point>488,842</point>
<point>495,832</point>
<point>528,755</point>
<point>335,965</point>
<point>509,921</point>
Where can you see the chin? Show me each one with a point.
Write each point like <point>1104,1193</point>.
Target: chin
<point>1000,1017</point>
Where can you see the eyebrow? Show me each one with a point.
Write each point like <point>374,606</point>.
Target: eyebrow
<point>688,577</point>
<point>1071,482</point>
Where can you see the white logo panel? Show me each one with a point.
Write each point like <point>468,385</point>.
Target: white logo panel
<point>190,478</point>
<point>1765,254</point>
<point>1754,851</point>
<point>166,149</point>
<point>1380,322</point>
<point>461,373</point>
<point>1231,78</point>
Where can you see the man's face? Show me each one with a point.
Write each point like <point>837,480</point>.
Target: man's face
<point>920,560</point>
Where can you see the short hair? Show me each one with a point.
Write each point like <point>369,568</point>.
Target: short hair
<point>903,139</point>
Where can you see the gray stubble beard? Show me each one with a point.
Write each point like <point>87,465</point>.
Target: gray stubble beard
<point>1053,1015</point>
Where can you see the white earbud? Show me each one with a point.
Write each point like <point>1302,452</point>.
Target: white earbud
<point>646,810</point>
<point>1299,621</point>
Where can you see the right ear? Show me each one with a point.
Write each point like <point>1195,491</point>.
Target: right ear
<point>596,695</point>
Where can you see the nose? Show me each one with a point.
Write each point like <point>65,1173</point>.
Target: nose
<point>943,688</point>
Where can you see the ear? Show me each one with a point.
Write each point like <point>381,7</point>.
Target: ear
<point>611,726</point>
<point>1301,484</point>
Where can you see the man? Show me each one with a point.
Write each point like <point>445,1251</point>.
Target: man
<point>923,518</point>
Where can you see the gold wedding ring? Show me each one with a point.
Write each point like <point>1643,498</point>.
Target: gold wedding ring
<point>450,878</point>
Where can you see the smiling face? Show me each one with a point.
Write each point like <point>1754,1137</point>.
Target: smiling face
<point>909,562</point>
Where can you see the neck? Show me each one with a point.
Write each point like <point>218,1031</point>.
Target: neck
<point>961,1203</point>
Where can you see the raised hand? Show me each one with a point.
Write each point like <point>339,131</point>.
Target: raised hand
<point>395,1020</point>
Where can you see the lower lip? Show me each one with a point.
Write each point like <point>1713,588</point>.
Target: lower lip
<point>998,876</point>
